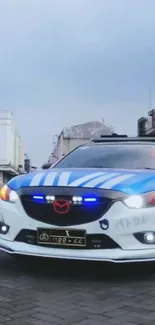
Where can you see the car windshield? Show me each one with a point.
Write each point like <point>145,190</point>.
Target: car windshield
<point>128,156</point>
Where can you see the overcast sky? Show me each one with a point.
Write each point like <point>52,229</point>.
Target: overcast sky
<point>65,62</point>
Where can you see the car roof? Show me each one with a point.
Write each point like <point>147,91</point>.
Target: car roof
<point>118,143</point>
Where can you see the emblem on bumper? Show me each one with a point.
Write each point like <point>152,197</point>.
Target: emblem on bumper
<point>44,237</point>
<point>61,206</point>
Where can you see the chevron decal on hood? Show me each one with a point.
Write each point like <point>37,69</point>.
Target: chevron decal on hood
<point>128,181</point>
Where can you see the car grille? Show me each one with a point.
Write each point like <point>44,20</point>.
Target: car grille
<point>94,241</point>
<point>78,214</point>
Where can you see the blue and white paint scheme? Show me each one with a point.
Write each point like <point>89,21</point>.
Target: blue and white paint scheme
<point>119,222</point>
<point>124,180</point>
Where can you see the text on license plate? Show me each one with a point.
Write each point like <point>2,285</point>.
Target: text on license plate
<point>61,237</point>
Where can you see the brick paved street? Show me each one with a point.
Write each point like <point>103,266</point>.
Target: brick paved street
<point>65,293</point>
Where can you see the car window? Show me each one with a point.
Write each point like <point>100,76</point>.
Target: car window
<point>110,156</point>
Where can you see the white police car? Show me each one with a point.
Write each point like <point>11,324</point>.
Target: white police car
<point>97,203</point>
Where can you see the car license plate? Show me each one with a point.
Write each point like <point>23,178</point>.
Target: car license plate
<point>61,237</point>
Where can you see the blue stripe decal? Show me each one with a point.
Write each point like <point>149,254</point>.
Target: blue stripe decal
<point>55,183</point>
<point>99,184</point>
<point>137,188</point>
<point>141,181</point>
<point>134,185</point>
<point>42,180</point>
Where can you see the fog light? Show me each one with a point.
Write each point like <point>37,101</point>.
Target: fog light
<point>149,238</point>
<point>4,228</point>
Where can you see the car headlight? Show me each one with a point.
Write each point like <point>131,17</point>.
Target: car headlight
<point>7,194</point>
<point>146,200</point>
<point>134,202</point>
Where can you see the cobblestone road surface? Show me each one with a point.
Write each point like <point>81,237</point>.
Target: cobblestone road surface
<point>67,293</point>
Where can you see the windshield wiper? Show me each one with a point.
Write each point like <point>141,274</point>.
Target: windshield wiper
<point>149,168</point>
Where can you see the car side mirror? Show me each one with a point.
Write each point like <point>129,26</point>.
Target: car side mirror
<point>46,166</point>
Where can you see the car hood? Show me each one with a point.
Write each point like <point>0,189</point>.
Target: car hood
<point>125,180</point>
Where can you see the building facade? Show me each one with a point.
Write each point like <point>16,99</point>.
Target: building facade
<point>6,138</point>
<point>77,135</point>
<point>146,125</point>
<point>10,155</point>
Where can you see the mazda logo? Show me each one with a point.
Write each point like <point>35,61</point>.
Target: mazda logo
<point>61,206</point>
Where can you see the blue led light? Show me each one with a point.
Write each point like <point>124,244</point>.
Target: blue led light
<point>91,199</point>
<point>38,197</point>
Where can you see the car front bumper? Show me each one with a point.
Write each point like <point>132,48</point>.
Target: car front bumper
<point>105,255</point>
<point>123,223</point>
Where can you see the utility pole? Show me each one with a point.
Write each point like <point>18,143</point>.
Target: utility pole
<point>150,98</point>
